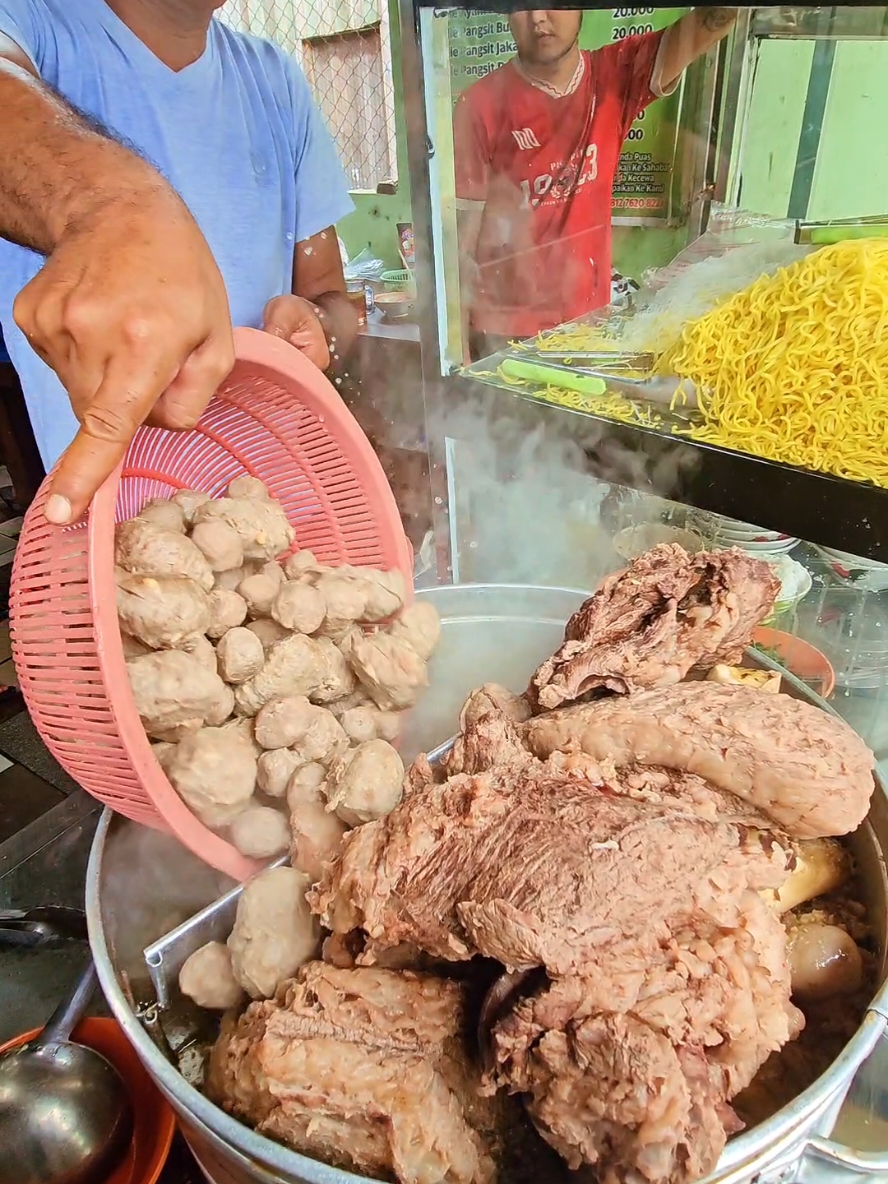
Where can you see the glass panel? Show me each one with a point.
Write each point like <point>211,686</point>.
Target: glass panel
<point>603,180</point>
<point>643,182</point>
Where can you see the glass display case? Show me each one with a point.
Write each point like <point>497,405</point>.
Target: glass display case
<point>653,255</point>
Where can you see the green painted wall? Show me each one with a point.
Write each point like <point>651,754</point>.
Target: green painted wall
<point>638,248</point>
<point>776,113</point>
<point>851,174</point>
<point>851,168</point>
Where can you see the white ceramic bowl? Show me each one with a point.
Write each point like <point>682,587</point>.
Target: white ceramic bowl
<point>795,584</point>
<point>867,574</point>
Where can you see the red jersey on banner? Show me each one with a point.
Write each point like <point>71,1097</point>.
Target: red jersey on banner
<point>544,168</point>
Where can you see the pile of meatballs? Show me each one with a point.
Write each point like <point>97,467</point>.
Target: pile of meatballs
<point>270,685</point>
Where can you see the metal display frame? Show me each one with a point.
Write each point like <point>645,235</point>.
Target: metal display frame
<point>826,510</point>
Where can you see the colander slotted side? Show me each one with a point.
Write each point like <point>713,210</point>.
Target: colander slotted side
<point>277,418</point>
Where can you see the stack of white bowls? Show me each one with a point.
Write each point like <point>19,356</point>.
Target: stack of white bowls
<point>754,539</point>
<point>866,574</point>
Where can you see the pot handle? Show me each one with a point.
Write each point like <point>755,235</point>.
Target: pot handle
<point>827,1162</point>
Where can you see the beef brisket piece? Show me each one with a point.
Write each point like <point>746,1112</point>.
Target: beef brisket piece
<point>632,1067</point>
<point>649,625</point>
<point>492,742</point>
<point>524,867</point>
<point>364,1069</point>
<point>806,769</point>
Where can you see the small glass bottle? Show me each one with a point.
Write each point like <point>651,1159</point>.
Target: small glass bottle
<point>354,289</point>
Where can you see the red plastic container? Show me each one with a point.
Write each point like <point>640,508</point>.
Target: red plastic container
<point>154,1120</point>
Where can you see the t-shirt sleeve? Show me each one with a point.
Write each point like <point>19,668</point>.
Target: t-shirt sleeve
<point>631,68</point>
<point>471,156</point>
<point>322,196</point>
<point>26,22</point>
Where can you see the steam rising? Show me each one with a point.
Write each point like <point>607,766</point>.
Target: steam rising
<point>525,506</point>
<point>150,884</point>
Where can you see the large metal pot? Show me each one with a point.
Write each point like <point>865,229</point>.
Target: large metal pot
<point>141,883</point>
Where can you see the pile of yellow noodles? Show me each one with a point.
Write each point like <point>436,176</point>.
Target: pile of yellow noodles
<point>795,367</point>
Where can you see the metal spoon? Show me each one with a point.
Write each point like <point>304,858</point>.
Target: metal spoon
<point>31,928</point>
<point>65,1117</point>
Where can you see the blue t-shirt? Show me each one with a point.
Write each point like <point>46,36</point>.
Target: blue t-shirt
<point>236,133</point>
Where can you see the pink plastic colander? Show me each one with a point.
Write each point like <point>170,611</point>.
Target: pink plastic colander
<point>276,417</point>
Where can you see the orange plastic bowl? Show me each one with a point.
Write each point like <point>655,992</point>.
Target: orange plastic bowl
<point>154,1120</point>
<point>799,657</point>
<point>276,417</point>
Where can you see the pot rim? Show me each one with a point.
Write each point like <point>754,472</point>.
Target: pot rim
<point>742,1153</point>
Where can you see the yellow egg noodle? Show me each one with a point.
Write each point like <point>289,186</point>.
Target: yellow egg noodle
<point>795,367</point>
<point>573,335</point>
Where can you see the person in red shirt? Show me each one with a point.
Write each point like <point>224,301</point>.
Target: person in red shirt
<point>536,144</point>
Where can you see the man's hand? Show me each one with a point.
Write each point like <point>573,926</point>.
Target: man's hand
<point>131,312</point>
<point>129,309</point>
<point>296,320</point>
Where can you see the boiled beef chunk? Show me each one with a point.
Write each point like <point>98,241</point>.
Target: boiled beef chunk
<point>632,1069</point>
<point>526,868</point>
<point>807,770</point>
<point>362,1068</point>
<point>649,625</point>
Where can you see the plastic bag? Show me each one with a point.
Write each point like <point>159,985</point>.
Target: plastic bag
<point>737,248</point>
<point>364,266</point>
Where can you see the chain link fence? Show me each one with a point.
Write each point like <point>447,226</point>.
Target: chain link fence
<point>344,49</point>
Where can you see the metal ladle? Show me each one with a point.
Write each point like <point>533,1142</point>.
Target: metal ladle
<point>65,1117</point>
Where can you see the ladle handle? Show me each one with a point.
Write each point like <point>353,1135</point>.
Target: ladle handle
<point>22,938</point>
<point>70,1011</point>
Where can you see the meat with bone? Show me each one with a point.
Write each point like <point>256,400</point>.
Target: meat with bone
<point>806,769</point>
<point>525,867</point>
<point>491,697</point>
<point>649,625</point>
<point>632,1068</point>
<point>491,740</point>
<point>364,1069</point>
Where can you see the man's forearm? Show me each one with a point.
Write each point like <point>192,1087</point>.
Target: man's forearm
<point>468,272</point>
<point>468,231</point>
<point>340,323</point>
<point>690,38</point>
<point>57,169</point>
